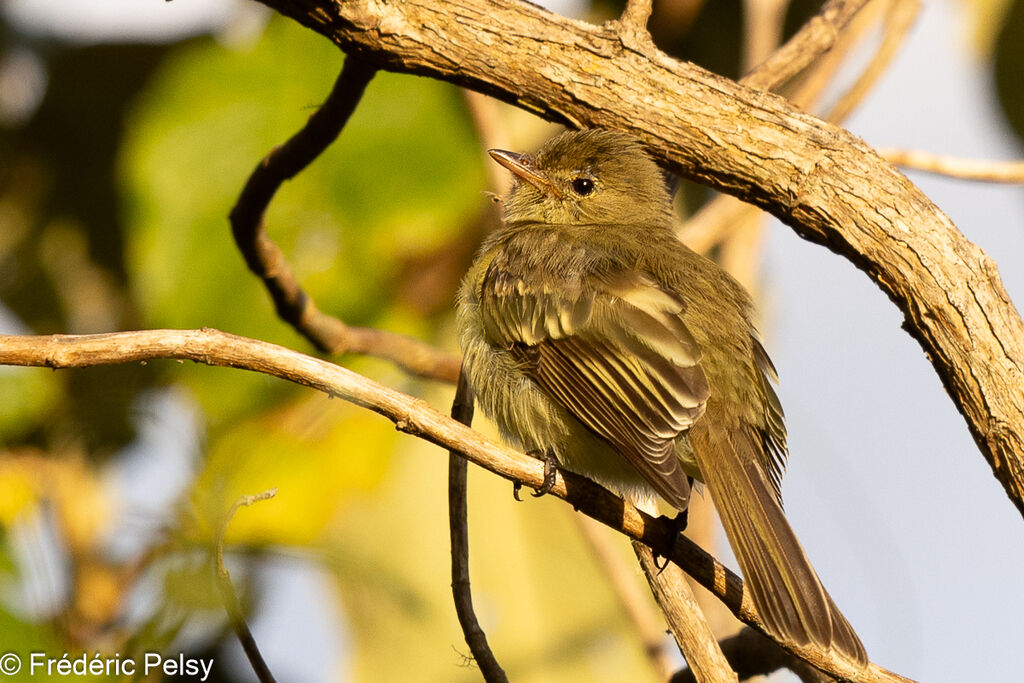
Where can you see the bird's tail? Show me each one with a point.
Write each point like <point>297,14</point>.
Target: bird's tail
<point>786,591</point>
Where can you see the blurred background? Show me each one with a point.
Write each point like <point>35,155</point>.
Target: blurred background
<point>127,129</point>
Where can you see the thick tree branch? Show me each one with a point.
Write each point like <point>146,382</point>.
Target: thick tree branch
<point>413,416</point>
<point>823,181</point>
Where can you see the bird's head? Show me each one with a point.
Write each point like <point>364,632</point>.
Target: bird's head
<point>589,177</point>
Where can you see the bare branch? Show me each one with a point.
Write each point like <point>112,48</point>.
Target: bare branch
<point>266,260</point>
<point>635,16</point>
<point>901,17</point>
<point>462,411</point>
<point>415,417</point>
<point>230,598</point>
<point>685,619</point>
<point>957,167</point>
<point>817,36</point>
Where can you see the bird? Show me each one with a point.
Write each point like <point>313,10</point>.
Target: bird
<point>595,339</point>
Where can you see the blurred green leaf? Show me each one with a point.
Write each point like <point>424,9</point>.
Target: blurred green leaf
<point>27,395</point>
<point>406,174</point>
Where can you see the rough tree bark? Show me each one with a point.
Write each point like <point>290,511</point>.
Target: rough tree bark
<point>830,186</point>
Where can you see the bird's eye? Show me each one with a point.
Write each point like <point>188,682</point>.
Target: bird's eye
<point>582,186</point>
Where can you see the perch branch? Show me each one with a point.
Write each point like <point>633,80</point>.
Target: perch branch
<point>415,417</point>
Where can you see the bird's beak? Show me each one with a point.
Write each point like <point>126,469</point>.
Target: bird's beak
<point>520,165</point>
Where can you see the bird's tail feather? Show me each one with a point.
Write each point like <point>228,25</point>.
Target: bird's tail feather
<point>785,589</point>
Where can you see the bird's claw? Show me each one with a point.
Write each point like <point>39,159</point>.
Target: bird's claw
<point>550,471</point>
<point>679,523</point>
<point>547,456</point>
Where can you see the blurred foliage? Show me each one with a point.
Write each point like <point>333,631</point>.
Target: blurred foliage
<point>1009,66</point>
<point>61,242</point>
<point>390,188</point>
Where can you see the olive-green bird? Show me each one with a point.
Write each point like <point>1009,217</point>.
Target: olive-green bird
<point>591,333</point>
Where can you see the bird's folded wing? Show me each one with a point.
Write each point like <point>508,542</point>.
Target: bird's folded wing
<point>618,357</point>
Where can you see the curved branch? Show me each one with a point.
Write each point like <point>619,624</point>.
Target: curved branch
<point>830,186</point>
<point>265,259</point>
<point>227,591</point>
<point>458,525</point>
<point>413,416</point>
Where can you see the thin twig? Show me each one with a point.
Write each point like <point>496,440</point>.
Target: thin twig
<point>264,258</point>
<point>415,417</point>
<point>816,37</point>
<point>901,17</point>
<point>462,411</point>
<point>484,114</point>
<point>631,29</point>
<point>230,598</point>
<point>957,167</point>
<point>635,16</point>
<point>685,619</point>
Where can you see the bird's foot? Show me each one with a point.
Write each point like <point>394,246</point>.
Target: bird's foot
<point>550,471</point>
<point>678,523</point>
<point>547,456</point>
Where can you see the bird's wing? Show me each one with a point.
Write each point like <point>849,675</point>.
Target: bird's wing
<point>618,357</point>
<point>773,435</point>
